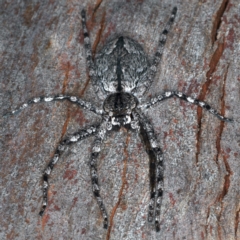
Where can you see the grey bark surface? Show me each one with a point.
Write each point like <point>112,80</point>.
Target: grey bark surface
<point>41,46</point>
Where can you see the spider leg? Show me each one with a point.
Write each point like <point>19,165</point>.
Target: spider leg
<point>101,133</point>
<point>155,168</point>
<point>158,55</point>
<point>89,59</point>
<point>202,105</point>
<point>182,96</point>
<point>76,137</point>
<point>73,99</point>
<point>156,99</point>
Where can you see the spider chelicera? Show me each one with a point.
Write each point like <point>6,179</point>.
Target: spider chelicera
<point>120,74</point>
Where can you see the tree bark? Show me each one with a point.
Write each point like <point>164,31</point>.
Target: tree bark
<point>42,54</point>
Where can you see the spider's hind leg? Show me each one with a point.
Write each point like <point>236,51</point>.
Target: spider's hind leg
<point>158,55</point>
<point>76,137</point>
<point>89,57</point>
<point>87,45</point>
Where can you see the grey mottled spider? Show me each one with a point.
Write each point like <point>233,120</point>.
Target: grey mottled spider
<point>121,73</point>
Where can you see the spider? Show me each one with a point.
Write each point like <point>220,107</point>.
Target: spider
<point>120,74</point>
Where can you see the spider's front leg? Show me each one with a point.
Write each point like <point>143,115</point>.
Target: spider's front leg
<point>100,136</point>
<point>76,137</point>
<point>155,167</point>
<point>182,96</point>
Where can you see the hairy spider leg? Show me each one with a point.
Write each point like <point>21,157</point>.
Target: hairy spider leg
<point>182,96</point>
<point>202,105</point>
<point>88,50</point>
<point>152,166</point>
<point>73,99</point>
<point>158,55</point>
<point>76,137</point>
<point>155,168</point>
<point>101,133</point>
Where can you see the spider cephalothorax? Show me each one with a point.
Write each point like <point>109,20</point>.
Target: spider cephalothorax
<point>119,106</point>
<point>120,74</point>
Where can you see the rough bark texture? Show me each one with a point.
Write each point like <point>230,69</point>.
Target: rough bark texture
<point>41,45</point>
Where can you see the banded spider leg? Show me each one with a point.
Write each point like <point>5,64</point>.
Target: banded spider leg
<point>74,138</point>
<point>155,167</point>
<point>73,99</point>
<point>182,96</point>
<point>151,72</point>
<point>97,145</point>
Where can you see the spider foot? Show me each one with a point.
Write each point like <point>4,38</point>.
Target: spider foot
<point>157,225</point>
<point>151,208</point>
<point>42,211</point>
<point>105,223</point>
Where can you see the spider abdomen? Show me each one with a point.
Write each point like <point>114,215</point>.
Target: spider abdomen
<point>121,63</point>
